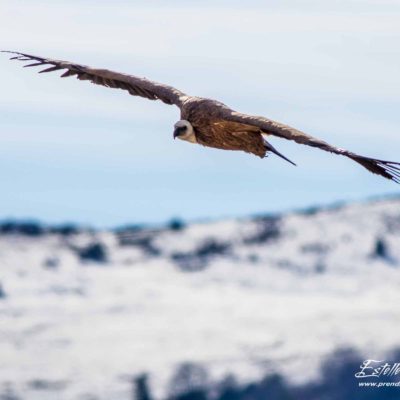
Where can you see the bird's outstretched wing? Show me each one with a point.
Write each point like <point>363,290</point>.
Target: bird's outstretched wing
<point>387,169</point>
<point>134,85</point>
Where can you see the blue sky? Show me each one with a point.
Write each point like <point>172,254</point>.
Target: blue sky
<point>71,151</point>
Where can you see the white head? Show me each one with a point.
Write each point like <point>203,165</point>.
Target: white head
<point>184,130</point>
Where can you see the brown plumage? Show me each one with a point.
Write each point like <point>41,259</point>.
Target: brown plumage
<point>209,122</point>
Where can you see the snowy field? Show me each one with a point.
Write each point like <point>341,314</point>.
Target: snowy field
<point>83,312</point>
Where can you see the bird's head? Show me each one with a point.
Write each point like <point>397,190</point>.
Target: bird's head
<point>184,130</point>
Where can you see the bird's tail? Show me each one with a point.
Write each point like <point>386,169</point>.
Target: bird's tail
<point>269,147</point>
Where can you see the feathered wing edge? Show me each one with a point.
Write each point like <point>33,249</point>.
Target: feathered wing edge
<point>134,85</point>
<point>387,169</point>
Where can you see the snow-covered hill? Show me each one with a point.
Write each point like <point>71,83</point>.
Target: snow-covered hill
<point>81,312</point>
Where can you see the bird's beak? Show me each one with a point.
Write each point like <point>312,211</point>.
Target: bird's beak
<point>176,133</point>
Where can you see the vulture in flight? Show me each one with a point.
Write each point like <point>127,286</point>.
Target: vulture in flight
<point>208,122</point>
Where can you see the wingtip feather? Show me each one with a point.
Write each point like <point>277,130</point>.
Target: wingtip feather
<point>388,169</point>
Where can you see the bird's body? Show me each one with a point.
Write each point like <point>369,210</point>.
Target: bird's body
<point>228,135</point>
<point>213,131</point>
<point>209,122</point>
